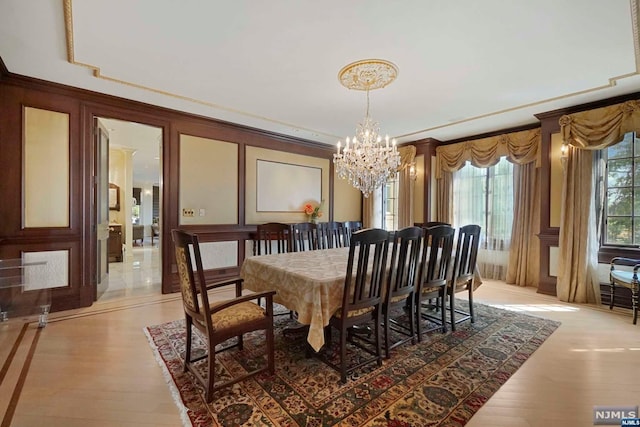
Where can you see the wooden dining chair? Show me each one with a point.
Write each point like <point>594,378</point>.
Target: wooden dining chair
<point>619,276</point>
<point>272,237</point>
<point>464,267</point>
<point>402,281</point>
<point>332,235</point>
<point>220,321</point>
<point>362,298</point>
<point>435,266</point>
<point>304,237</point>
<point>434,223</point>
<point>350,227</point>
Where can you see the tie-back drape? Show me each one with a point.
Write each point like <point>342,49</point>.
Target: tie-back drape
<point>405,186</point>
<point>526,223</point>
<point>520,148</point>
<point>444,198</point>
<point>587,130</point>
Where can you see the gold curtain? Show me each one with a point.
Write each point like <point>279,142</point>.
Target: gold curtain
<point>405,186</point>
<point>444,198</point>
<point>577,267</point>
<point>367,212</point>
<point>588,130</point>
<point>524,255</point>
<point>519,147</point>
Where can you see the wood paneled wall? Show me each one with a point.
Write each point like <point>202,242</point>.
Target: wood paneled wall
<point>79,238</point>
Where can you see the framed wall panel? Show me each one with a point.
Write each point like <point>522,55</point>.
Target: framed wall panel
<point>208,181</point>
<point>46,168</point>
<point>286,187</point>
<point>53,274</point>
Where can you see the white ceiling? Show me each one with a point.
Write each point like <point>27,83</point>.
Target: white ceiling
<point>466,66</point>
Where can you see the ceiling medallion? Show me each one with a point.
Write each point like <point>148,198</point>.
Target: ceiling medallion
<point>368,74</point>
<point>366,161</point>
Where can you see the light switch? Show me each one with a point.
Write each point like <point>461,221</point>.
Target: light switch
<point>201,213</point>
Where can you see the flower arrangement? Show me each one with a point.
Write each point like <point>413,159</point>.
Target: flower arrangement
<point>313,213</point>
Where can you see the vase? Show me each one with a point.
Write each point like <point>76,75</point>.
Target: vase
<point>313,220</point>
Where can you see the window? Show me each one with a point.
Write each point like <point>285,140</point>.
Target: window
<point>390,203</point>
<point>484,196</point>
<point>622,198</point>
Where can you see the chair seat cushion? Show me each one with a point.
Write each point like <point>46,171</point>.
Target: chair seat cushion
<point>354,313</point>
<point>236,315</point>
<point>398,298</point>
<point>622,278</point>
<point>432,289</point>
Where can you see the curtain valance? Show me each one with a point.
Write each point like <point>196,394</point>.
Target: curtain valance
<point>519,147</point>
<point>407,156</point>
<point>601,127</point>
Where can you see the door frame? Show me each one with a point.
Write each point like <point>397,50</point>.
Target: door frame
<point>96,111</point>
<point>99,164</point>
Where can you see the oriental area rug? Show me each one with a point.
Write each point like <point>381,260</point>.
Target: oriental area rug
<point>441,381</point>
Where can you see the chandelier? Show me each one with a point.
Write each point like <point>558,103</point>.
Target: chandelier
<point>366,160</point>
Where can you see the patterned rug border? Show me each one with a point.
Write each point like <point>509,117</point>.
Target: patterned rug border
<point>459,414</point>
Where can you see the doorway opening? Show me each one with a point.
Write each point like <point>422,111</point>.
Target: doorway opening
<point>131,252</point>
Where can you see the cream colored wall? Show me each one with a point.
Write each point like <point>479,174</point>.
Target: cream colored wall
<point>208,181</point>
<point>555,192</point>
<point>117,176</point>
<point>554,256</point>
<point>253,154</point>
<point>347,201</point>
<point>432,214</point>
<point>121,174</point>
<point>46,168</point>
<point>418,190</point>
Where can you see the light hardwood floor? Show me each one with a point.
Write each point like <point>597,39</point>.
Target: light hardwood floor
<point>94,366</point>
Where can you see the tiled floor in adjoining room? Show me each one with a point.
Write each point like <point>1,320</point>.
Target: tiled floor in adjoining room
<point>138,274</point>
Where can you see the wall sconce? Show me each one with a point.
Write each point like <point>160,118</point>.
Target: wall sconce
<point>564,154</point>
<point>564,150</point>
<point>413,173</point>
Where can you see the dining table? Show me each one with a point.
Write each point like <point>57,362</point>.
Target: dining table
<point>311,283</point>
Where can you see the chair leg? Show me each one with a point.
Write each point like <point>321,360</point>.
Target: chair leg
<point>473,317</point>
<point>379,341</point>
<point>187,353</point>
<point>613,294</point>
<point>386,335</point>
<point>634,303</point>
<point>270,349</point>
<point>211,368</point>
<point>452,308</point>
<point>443,311</point>
<point>412,323</point>
<point>416,312</point>
<point>343,355</point>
